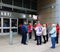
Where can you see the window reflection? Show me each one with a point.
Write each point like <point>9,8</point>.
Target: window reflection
<point>14,30</point>
<point>6,30</point>
<point>14,23</point>
<point>6,23</point>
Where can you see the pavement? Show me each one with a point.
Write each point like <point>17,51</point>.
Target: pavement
<point>31,47</point>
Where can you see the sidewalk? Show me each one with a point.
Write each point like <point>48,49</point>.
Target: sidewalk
<point>31,47</point>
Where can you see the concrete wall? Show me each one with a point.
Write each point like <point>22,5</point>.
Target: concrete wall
<point>49,13</point>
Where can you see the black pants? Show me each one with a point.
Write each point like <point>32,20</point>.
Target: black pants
<point>47,37</point>
<point>30,35</point>
<point>24,38</point>
<point>57,37</point>
<point>39,40</point>
<point>35,35</point>
<point>44,37</point>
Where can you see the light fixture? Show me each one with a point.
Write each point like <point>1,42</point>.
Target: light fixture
<point>5,13</point>
<point>2,13</point>
<point>30,16</point>
<point>24,16</point>
<point>35,17</point>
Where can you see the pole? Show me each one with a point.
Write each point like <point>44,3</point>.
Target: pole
<point>11,38</point>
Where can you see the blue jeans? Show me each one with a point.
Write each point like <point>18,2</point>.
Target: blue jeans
<point>53,40</point>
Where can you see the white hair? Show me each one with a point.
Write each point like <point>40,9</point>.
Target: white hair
<point>53,25</point>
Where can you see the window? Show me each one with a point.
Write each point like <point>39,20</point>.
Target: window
<point>6,22</point>
<point>14,30</point>
<point>18,3</point>
<point>6,25</point>
<point>7,1</point>
<point>14,23</point>
<point>26,4</point>
<point>6,8</point>
<point>18,11</point>
<point>34,6</point>
<point>6,30</point>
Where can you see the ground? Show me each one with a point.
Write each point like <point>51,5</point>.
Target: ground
<point>31,47</point>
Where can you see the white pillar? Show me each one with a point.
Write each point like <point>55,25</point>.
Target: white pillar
<point>11,38</point>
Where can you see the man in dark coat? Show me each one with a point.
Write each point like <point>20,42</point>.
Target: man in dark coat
<point>24,33</point>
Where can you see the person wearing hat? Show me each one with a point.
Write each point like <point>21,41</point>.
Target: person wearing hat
<point>53,35</point>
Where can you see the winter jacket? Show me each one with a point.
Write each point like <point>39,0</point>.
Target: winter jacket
<point>30,28</point>
<point>53,32</point>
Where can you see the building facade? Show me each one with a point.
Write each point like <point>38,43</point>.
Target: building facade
<point>49,11</point>
<point>15,12</point>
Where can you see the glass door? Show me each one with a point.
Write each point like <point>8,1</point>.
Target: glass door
<point>6,25</point>
<point>14,25</point>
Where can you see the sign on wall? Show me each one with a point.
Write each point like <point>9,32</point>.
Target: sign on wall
<point>5,13</point>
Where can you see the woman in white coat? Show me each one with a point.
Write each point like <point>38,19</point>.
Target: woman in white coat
<point>44,33</point>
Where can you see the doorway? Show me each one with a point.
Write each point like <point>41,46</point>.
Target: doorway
<point>20,22</point>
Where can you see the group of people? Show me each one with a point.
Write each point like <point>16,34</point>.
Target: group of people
<point>39,32</point>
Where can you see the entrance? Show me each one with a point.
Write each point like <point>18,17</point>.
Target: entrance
<point>20,22</point>
<point>7,25</point>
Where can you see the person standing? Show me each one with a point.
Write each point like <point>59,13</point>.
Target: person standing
<point>47,31</point>
<point>39,33</point>
<point>30,28</point>
<point>57,33</point>
<point>44,33</point>
<point>24,32</point>
<point>53,35</point>
<point>35,31</point>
